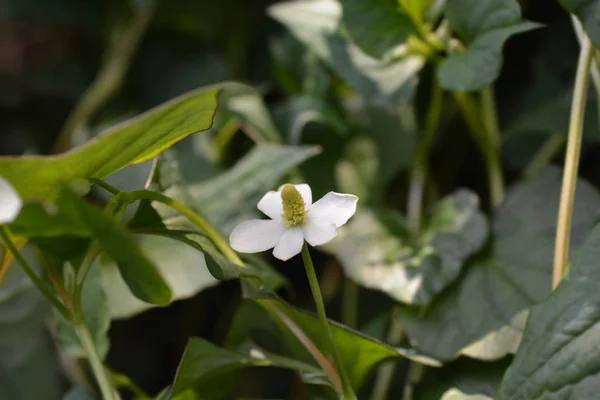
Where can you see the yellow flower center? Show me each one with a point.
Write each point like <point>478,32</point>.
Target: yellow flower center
<point>294,211</point>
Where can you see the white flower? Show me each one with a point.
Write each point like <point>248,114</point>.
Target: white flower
<point>294,218</point>
<point>10,202</point>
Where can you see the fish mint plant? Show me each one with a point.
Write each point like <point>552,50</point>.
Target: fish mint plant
<point>149,237</point>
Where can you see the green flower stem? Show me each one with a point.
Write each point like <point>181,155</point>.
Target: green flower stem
<point>419,168</point>
<point>385,373</point>
<point>486,136</point>
<point>42,287</point>
<point>350,303</point>
<point>567,195</point>
<point>104,185</point>
<point>196,219</point>
<point>333,350</point>
<point>124,42</point>
<point>544,155</point>
<point>85,338</point>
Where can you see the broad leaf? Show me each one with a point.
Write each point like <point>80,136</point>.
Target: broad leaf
<point>133,142</point>
<point>316,23</point>
<point>138,272</point>
<point>559,351</point>
<point>484,26</point>
<point>377,252</point>
<point>261,320</point>
<point>501,283</point>
<point>211,370</point>
<point>182,267</point>
<point>588,12</point>
<point>376,26</point>
<point>29,367</point>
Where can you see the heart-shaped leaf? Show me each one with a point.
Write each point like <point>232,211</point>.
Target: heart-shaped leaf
<point>484,26</point>
<point>501,283</point>
<point>559,351</point>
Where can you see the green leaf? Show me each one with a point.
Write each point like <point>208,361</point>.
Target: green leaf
<point>316,23</point>
<point>138,272</point>
<point>588,12</point>
<point>376,26</point>
<point>184,269</point>
<point>475,315</point>
<point>559,351</point>
<point>204,366</point>
<point>132,142</point>
<point>377,252</point>
<point>97,318</point>
<point>484,26</point>
<point>29,367</point>
<point>231,197</point>
<point>260,320</point>
<point>465,377</point>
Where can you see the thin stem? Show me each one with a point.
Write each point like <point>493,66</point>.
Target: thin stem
<point>580,33</point>
<point>196,219</point>
<point>350,303</point>
<point>316,291</point>
<point>104,185</point>
<point>119,55</point>
<point>85,338</point>
<point>492,132</point>
<point>567,196</point>
<point>385,373</point>
<point>486,141</point>
<point>42,287</point>
<point>419,170</point>
<point>544,155</point>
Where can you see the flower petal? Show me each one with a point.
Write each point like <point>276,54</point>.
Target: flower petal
<point>256,235</point>
<point>271,205</point>
<point>319,231</point>
<point>290,244</point>
<point>10,202</point>
<point>336,208</point>
<point>305,192</point>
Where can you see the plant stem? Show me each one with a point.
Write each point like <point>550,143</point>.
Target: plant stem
<point>122,46</point>
<point>419,168</point>
<point>350,303</point>
<point>580,33</point>
<point>486,136</point>
<point>102,378</point>
<point>544,155</point>
<point>42,287</point>
<point>333,350</point>
<point>385,373</point>
<point>196,219</point>
<point>567,195</point>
